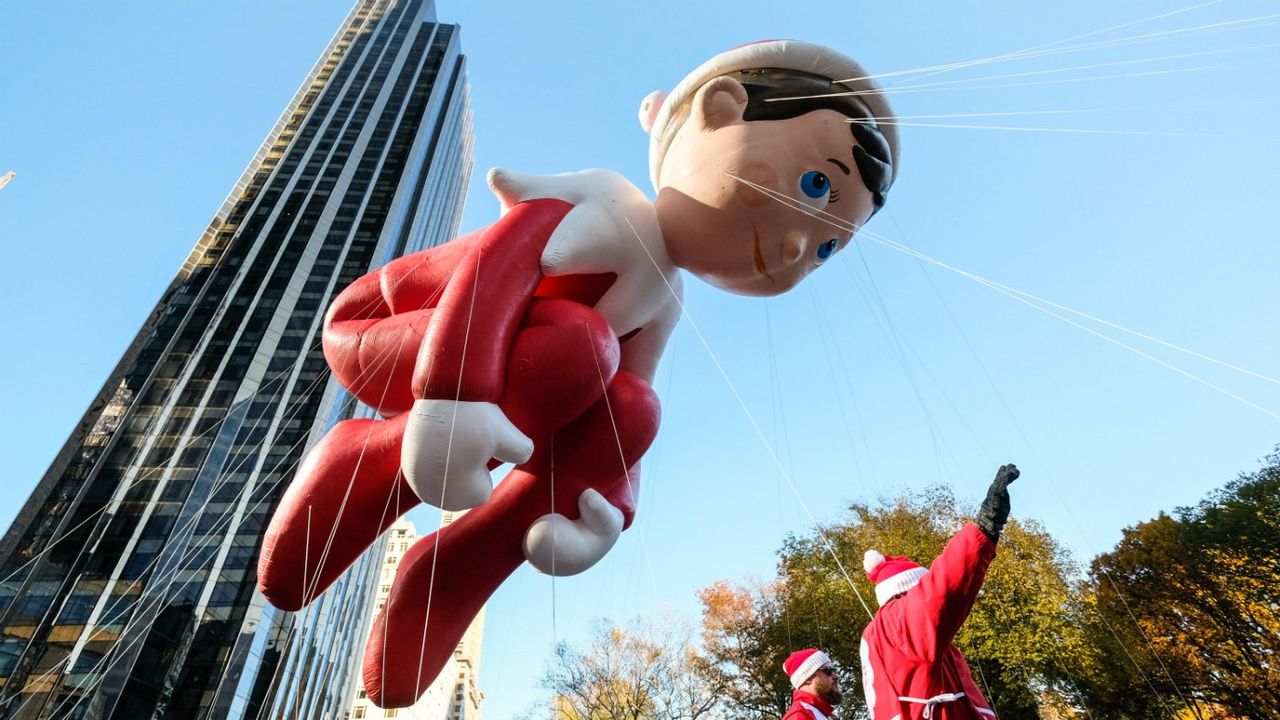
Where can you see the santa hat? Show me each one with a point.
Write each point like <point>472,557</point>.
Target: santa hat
<point>802,664</point>
<point>658,108</point>
<point>892,575</point>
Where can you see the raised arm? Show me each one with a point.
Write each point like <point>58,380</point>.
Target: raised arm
<point>933,611</point>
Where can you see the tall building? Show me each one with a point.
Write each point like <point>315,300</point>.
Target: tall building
<point>455,694</point>
<point>127,581</point>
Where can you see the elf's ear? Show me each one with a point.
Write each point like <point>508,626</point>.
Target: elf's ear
<point>719,103</point>
<point>649,108</point>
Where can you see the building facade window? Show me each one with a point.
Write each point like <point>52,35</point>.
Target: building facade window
<point>173,468</point>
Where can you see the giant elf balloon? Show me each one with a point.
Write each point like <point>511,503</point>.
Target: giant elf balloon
<point>534,341</point>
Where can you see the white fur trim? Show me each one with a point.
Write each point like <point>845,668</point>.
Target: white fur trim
<point>871,559</point>
<point>808,668</point>
<point>787,54</point>
<point>900,583</point>
<point>868,673</point>
<point>817,714</point>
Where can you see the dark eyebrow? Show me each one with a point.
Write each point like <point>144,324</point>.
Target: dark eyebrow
<point>840,165</point>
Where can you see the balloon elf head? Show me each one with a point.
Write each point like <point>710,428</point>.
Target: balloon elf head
<point>534,341</point>
<point>766,159</point>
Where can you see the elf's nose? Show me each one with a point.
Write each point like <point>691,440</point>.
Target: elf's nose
<point>793,244</point>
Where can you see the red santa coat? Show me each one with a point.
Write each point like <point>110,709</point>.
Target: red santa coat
<point>807,706</point>
<point>910,668</point>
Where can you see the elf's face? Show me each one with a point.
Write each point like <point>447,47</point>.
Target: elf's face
<point>753,207</point>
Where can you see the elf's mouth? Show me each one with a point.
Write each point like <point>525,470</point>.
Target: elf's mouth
<point>758,255</point>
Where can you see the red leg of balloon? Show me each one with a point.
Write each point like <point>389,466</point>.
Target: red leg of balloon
<point>342,499</point>
<point>371,338</point>
<point>448,576</point>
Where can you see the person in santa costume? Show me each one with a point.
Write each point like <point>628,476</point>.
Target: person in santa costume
<point>910,667</point>
<point>816,683</point>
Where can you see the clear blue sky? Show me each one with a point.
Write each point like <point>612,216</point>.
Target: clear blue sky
<point>128,122</point>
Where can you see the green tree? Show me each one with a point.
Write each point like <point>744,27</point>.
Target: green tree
<point>1021,639</point>
<point>1191,601</point>
<point>642,672</point>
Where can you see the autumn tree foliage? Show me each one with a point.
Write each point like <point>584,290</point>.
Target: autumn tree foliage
<point>1019,641</point>
<point>1188,609</point>
<point>641,672</point>
<point>747,635</point>
<point>1180,620</point>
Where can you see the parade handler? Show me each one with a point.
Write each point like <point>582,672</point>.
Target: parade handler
<point>910,667</point>
<point>816,683</point>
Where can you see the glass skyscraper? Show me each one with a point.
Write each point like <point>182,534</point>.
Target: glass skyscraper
<point>127,581</point>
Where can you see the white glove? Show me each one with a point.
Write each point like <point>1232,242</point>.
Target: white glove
<point>447,448</point>
<point>558,546</point>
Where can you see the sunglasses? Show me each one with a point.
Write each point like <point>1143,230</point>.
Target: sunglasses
<point>828,670</point>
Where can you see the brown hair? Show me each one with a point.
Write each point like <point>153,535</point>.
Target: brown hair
<point>780,94</point>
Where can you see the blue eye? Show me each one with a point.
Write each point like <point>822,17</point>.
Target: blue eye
<point>815,184</point>
<point>828,248</point>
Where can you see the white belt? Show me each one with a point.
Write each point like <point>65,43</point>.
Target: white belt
<point>931,703</point>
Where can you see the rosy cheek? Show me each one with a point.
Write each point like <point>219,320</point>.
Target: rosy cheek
<point>755,174</point>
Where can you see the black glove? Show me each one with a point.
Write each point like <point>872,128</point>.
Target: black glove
<point>995,509</point>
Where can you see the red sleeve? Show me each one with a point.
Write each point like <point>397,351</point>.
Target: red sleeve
<point>933,611</point>
<point>374,328</point>
<point>464,351</point>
